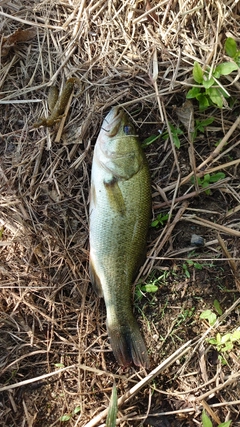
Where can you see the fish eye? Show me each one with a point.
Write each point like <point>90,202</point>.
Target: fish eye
<point>128,130</point>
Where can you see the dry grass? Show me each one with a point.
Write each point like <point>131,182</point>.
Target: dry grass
<point>54,353</point>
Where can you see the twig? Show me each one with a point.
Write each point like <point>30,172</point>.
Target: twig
<point>213,225</point>
<point>135,389</point>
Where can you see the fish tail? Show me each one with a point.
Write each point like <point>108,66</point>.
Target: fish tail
<point>128,345</point>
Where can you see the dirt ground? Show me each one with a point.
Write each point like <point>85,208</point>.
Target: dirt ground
<point>56,363</point>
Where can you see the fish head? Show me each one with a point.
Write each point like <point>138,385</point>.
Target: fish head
<point>119,150</point>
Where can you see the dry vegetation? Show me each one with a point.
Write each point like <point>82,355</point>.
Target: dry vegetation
<point>55,358</point>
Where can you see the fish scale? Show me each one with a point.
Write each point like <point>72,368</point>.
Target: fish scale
<point>120,209</point>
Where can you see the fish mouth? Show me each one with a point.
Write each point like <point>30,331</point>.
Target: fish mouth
<point>112,121</point>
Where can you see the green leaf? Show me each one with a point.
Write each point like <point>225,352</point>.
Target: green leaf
<point>228,347</point>
<point>230,47</point>
<point>65,417</point>
<point>222,360</point>
<point>154,223</point>
<point>206,420</point>
<point>160,220</point>
<point>77,410</point>
<point>203,101</point>
<point>225,424</point>
<point>218,339</point>
<point>197,73</point>
<point>186,272</point>
<point>112,412</point>
<point>150,140</point>
<point>198,266</point>
<point>175,130</point>
<point>150,288</point>
<point>176,141</point>
<point>201,124</point>
<point>208,82</point>
<point>192,93</point>
<point>215,96</point>
<point>225,68</point>
<point>212,341</point>
<point>235,336</point>
<point>209,315</point>
<point>237,58</point>
<point>217,307</point>
<point>225,338</point>
<point>59,365</point>
<point>216,177</point>
<point>206,179</point>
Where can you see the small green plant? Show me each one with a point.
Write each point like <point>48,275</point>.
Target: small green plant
<point>209,90</point>
<point>209,179</point>
<point>222,343</point>
<point>185,315</point>
<point>206,422</point>
<point>190,263</point>
<point>210,316</point>
<point>225,342</point>
<point>175,132</point>
<point>200,125</point>
<point>231,50</point>
<point>152,286</point>
<point>147,288</point>
<point>67,417</point>
<point>161,219</point>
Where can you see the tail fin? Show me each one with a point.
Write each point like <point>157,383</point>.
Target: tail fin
<point>127,344</point>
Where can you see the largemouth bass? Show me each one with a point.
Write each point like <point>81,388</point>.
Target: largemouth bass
<point>120,210</point>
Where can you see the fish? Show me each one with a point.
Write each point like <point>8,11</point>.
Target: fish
<point>119,218</point>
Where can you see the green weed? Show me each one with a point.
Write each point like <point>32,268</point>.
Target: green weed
<point>190,263</point>
<point>206,422</point>
<point>210,316</point>
<point>175,132</point>
<point>209,179</point>
<point>152,286</point>
<point>200,125</point>
<point>67,417</point>
<point>224,343</point>
<point>161,219</point>
<point>231,50</point>
<point>185,315</point>
<point>209,90</point>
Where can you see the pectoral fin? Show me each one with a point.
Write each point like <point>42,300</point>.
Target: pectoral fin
<point>115,196</point>
<point>96,283</point>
